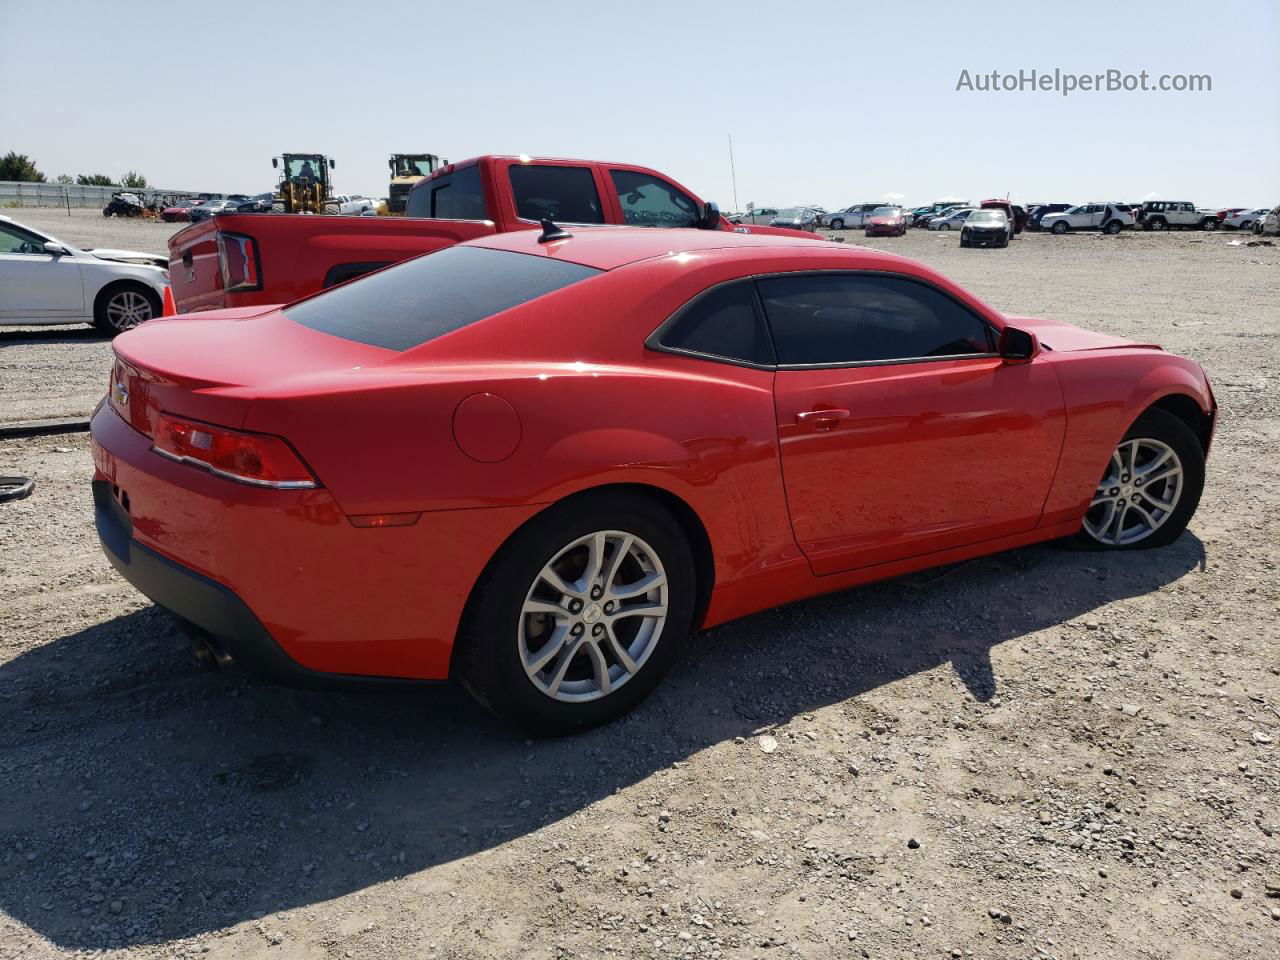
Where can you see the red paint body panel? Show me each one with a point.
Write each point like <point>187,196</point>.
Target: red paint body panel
<point>480,429</point>
<point>300,254</point>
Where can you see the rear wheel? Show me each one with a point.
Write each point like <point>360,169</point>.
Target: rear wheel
<point>580,615</point>
<point>1150,487</point>
<point>123,307</point>
<point>1112,227</point>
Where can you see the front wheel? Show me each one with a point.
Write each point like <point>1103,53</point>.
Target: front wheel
<point>1149,489</point>
<point>837,224</point>
<point>1209,223</point>
<point>580,615</point>
<point>123,308</point>
<point>944,226</point>
<point>1060,227</point>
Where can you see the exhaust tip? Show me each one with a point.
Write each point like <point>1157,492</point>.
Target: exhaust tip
<point>209,656</point>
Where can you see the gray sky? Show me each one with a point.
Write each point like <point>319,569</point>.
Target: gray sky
<point>828,103</point>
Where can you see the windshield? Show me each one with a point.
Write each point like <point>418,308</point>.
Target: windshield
<point>304,169</point>
<point>886,212</point>
<point>417,165</point>
<point>792,213</point>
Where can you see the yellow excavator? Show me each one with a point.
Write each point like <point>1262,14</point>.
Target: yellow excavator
<point>304,185</point>
<point>406,170</point>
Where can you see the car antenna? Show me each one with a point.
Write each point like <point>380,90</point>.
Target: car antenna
<point>551,232</point>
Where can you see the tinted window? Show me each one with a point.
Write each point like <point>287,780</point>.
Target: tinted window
<point>458,196</point>
<point>648,201</point>
<point>419,300</point>
<point>562,194</point>
<point>723,323</point>
<point>855,319</point>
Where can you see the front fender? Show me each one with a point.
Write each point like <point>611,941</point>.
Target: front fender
<point>1105,391</point>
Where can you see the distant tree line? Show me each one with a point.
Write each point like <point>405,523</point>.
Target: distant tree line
<point>18,166</point>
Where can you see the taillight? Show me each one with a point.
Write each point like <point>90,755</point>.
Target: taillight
<point>253,458</point>
<point>238,261</point>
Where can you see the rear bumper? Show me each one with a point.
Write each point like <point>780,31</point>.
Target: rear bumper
<point>281,578</point>
<point>197,599</point>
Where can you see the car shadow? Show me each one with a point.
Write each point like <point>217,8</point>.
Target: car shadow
<point>54,333</point>
<point>141,801</point>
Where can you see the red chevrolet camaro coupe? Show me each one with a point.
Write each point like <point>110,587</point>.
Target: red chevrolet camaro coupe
<point>537,464</point>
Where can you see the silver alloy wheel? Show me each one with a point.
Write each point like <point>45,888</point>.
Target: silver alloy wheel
<point>593,616</point>
<point>1137,494</point>
<point>127,309</point>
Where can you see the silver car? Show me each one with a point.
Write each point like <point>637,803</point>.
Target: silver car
<point>952,219</point>
<point>45,281</point>
<point>796,218</point>
<point>853,217</point>
<point>759,215</point>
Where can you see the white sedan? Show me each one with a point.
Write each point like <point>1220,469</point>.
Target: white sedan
<point>46,281</point>
<point>1245,219</point>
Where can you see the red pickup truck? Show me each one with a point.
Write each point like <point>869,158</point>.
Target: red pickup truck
<point>238,260</point>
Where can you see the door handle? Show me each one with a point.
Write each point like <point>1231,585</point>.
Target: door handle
<point>822,419</point>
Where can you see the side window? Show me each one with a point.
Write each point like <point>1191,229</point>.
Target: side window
<point>835,319</point>
<point>722,323</point>
<point>648,201</point>
<point>18,241</point>
<point>562,194</point>
<point>458,196</point>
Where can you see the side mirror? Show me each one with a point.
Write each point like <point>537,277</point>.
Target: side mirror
<point>710,219</point>
<point>53,248</point>
<point>1018,345</point>
<point>275,163</point>
<point>331,163</point>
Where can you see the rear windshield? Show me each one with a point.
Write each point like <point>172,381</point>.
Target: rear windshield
<point>416,301</point>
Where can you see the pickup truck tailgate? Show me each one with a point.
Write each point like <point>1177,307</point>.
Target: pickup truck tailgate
<point>247,259</point>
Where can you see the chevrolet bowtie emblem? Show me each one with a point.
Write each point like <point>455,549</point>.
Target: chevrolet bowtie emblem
<point>120,394</point>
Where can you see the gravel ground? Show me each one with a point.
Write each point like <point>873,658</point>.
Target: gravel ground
<point>1044,753</point>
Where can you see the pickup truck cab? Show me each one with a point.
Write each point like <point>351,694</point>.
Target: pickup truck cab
<point>241,261</point>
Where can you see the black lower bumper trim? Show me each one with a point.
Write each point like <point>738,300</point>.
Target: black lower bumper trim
<point>205,604</point>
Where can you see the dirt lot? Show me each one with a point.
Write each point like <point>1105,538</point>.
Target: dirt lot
<point>1045,753</point>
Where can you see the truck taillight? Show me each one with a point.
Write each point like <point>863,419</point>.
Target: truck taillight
<point>257,459</point>
<point>238,261</point>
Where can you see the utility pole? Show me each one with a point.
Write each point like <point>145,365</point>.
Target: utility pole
<point>733,173</point>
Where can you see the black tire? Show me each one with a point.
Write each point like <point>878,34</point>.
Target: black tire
<point>1004,243</point>
<point>1060,227</point>
<point>101,306</point>
<point>1156,223</point>
<point>1163,426</point>
<point>837,224</point>
<point>488,661</point>
<point>1112,227</point>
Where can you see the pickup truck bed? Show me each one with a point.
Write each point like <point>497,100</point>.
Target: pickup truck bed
<point>248,259</point>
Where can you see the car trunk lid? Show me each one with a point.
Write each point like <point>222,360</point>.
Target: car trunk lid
<point>210,366</point>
